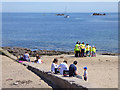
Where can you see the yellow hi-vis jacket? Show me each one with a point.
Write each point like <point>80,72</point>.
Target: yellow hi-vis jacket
<point>77,47</point>
<point>94,49</point>
<point>88,48</point>
<point>82,46</point>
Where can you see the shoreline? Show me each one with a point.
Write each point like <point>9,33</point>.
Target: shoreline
<point>17,51</point>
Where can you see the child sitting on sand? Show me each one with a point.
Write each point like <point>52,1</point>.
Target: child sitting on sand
<point>39,61</point>
<point>85,73</point>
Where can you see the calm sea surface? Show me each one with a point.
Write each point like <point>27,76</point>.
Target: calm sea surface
<point>51,32</point>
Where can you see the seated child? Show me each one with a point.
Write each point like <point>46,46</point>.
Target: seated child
<point>39,61</point>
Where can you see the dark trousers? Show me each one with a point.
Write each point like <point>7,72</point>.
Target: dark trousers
<point>82,52</point>
<point>77,53</point>
<point>85,78</point>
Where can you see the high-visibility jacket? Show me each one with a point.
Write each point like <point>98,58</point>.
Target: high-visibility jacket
<point>82,46</point>
<point>94,49</point>
<point>88,48</point>
<point>77,47</point>
<point>85,50</point>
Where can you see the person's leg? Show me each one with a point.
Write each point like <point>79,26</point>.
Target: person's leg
<point>85,78</point>
<point>80,53</point>
<point>78,76</point>
<point>83,52</point>
<point>77,53</point>
<point>86,53</point>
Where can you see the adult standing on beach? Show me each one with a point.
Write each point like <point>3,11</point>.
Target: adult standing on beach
<point>82,49</point>
<point>26,57</point>
<point>77,49</point>
<point>87,50</point>
<point>63,66</point>
<point>54,65</point>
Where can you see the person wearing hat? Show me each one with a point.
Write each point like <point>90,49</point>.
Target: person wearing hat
<point>85,73</point>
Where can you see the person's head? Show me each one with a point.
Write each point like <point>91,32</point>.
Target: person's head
<point>83,43</point>
<point>87,44</point>
<point>37,54</point>
<point>65,61</point>
<point>75,62</point>
<point>85,68</point>
<point>26,52</point>
<point>79,43</point>
<point>55,60</point>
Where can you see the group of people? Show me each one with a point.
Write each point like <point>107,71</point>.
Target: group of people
<point>82,50</point>
<point>26,57</point>
<point>63,69</point>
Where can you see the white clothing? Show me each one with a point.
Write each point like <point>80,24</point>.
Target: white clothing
<point>53,66</point>
<point>39,61</point>
<point>63,66</point>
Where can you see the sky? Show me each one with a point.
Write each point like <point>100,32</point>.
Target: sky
<point>59,7</point>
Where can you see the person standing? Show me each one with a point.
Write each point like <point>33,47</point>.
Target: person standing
<point>77,49</point>
<point>93,51</point>
<point>85,73</point>
<point>82,49</point>
<point>87,50</point>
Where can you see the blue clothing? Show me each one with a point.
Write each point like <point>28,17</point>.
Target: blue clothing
<point>72,70</point>
<point>26,57</point>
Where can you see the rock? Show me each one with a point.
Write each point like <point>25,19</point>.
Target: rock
<point>17,51</point>
<point>16,83</point>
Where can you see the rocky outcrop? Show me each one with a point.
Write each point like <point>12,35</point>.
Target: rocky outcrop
<point>98,14</point>
<point>17,51</point>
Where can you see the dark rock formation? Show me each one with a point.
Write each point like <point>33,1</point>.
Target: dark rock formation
<point>17,51</point>
<point>98,14</point>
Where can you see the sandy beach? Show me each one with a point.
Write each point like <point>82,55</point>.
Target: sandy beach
<point>102,70</point>
<point>15,75</point>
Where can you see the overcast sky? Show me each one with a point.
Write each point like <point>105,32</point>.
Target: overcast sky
<point>59,6</point>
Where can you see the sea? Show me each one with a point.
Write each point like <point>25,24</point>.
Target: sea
<point>47,31</point>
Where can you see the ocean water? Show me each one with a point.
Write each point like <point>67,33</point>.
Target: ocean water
<point>51,32</point>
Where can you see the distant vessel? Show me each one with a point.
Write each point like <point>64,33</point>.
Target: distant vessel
<point>98,14</point>
<point>67,16</point>
<point>60,14</point>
